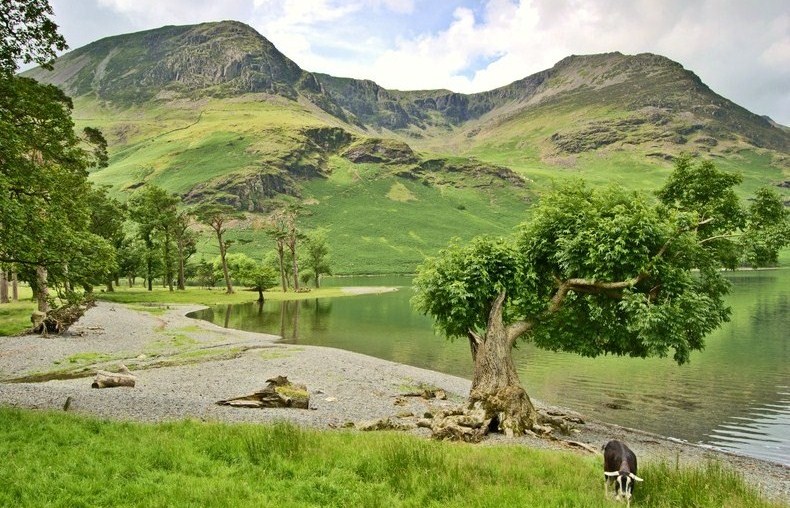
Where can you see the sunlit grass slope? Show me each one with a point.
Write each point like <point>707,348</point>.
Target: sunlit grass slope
<point>379,222</point>
<point>521,140</point>
<point>382,223</point>
<point>181,144</point>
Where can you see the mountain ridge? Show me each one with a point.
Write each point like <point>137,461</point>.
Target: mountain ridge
<point>228,57</point>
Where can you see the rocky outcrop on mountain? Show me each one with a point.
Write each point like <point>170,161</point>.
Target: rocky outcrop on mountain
<point>251,191</point>
<point>383,151</point>
<point>441,170</point>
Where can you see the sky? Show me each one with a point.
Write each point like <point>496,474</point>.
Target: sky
<point>740,49</point>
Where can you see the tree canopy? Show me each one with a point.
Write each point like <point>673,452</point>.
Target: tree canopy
<point>27,34</point>
<point>156,213</point>
<point>46,226</point>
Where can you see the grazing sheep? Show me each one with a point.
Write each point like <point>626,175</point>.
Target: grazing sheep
<point>619,466</point>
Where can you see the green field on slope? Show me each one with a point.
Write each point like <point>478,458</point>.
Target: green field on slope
<point>382,217</point>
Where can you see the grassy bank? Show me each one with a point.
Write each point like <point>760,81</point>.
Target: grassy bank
<point>216,296</point>
<point>15,316</point>
<point>56,459</point>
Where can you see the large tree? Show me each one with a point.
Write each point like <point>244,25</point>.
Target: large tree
<point>45,219</point>
<point>282,224</point>
<point>43,186</point>
<point>593,272</point>
<point>217,216</point>
<point>107,216</point>
<point>186,245</point>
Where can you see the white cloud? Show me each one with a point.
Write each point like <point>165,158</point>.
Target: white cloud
<point>162,12</point>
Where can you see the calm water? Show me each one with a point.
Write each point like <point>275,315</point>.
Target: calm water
<point>734,395</point>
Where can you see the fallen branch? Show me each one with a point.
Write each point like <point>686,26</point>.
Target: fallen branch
<point>105,379</point>
<point>278,393</point>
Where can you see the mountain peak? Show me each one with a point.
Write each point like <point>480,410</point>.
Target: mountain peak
<point>221,58</point>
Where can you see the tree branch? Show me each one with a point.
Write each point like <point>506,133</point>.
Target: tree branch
<point>719,237</point>
<point>474,342</point>
<point>517,329</point>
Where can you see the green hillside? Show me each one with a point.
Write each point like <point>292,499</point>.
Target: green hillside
<point>215,112</point>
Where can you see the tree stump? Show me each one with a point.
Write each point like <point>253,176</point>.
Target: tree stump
<point>278,393</point>
<point>105,379</point>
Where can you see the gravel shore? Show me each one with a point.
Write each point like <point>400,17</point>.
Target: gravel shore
<point>185,366</point>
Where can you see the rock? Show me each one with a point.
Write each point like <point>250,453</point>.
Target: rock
<point>384,151</point>
<point>459,424</point>
<point>382,424</point>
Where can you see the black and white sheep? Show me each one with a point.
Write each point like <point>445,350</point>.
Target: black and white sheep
<point>619,466</point>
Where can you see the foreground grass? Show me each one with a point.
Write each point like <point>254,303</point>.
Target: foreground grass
<point>56,459</point>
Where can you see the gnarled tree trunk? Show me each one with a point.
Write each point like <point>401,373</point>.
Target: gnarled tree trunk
<point>495,383</point>
<point>42,290</point>
<point>3,286</point>
<point>222,255</point>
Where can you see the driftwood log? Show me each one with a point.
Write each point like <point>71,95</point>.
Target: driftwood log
<point>105,379</point>
<point>279,392</point>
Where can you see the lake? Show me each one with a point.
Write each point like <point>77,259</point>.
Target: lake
<point>734,395</point>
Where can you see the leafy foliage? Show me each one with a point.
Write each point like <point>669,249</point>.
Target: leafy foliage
<point>216,216</point>
<point>768,228</point>
<point>156,213</point>
<point>316,256</point>
<point>607,271</point>
<point>457,286</point>
<point>44,192</point>
<point>28,34</point>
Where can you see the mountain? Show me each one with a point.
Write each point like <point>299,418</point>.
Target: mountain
<point>215,111</point>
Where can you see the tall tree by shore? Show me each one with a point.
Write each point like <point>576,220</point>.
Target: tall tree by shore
<point>596,271</point>
<point>216,216</point>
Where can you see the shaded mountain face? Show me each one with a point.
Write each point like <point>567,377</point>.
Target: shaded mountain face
<point>212,59</point>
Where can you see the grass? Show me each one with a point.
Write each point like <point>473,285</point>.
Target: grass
<point>57,459</point>
<point>380,223</point>
<point>15,316</point>
<point>141,298</point>
<point>87,358</point>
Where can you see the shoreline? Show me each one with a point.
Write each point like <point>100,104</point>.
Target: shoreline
<point>184,366</point>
